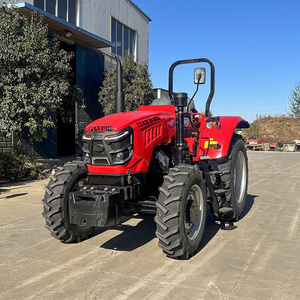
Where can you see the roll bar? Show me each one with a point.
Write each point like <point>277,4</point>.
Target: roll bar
<point>212,79</point>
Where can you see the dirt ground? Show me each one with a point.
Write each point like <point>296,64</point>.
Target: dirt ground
<point>257,260</point>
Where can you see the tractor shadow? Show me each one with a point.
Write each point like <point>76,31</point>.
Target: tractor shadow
<point>249,204</point>
<point>212,225</point>
<point>133,237</point>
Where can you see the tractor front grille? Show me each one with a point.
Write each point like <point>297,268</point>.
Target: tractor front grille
<point>108,148</point>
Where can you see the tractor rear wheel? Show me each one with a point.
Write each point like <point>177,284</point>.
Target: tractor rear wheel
<point>181,212</point>
<point>69,178</point>
<point>234,179</point>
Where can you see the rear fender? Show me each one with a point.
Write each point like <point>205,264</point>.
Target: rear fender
<point>215,142</point>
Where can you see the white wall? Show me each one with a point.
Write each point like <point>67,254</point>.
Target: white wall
<point>95,16</point>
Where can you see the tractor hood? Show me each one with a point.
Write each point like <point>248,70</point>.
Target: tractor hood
<point>125,141</point>
<point>122,120</point>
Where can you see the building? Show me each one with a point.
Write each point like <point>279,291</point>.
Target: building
<point>93,30</point>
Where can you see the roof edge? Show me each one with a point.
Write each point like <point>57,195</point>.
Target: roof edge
<point>140,10</point>
<point>54,18</point>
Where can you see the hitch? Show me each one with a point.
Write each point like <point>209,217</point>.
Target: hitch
<point>96,207</point>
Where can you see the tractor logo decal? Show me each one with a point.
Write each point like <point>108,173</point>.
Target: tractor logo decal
<point>147,121</point>
<point>211,144</point>
<point>100,128</point>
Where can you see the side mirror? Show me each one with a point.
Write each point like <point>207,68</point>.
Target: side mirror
<point>199,73</point>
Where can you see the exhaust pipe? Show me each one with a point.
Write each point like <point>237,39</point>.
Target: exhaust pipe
<point>120,100</point>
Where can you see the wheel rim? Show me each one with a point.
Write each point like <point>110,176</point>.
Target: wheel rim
<point>193,212</point>
<point>79,184</point>
<point>240,179</point>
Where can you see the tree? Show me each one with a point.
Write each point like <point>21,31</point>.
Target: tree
<point>137,86</point>
<point>34,76</point>
<point>295,100</point>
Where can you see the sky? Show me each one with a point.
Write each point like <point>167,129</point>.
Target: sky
<point>254,45</point>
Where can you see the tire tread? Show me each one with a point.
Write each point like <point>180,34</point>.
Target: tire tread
<point>169,211</point>
<point>54,201</point>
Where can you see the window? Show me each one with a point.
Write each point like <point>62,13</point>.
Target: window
<point>113,35</point>
<point>64,9</point>
<point>123,39</point>
<point>119,39</point>
<point>126,40</point>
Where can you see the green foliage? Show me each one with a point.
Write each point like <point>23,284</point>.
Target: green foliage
<point>16,166</point>
<point>295,101</point>
<point>137,86</point>
<point>34,76</point>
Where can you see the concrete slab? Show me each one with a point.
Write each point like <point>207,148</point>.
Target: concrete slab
<point>257,260</point>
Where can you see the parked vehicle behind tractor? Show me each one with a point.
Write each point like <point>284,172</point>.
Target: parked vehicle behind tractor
<point>165,158</point>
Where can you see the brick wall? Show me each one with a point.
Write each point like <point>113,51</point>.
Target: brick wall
<point>5,144</point>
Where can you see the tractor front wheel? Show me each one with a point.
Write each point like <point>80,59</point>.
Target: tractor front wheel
<point>69,178</point>
<point>181,212</point>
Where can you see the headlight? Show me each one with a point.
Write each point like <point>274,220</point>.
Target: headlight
<point>119,146</point>
<point>117,136</point>
<point>86,148</point>
<point>108,148</point>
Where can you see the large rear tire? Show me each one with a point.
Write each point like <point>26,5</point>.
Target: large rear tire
<point>234,178</point>
<point>181,212</point>
<point>71,177</point>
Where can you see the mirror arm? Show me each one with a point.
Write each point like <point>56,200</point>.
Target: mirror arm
<point>198,83</point>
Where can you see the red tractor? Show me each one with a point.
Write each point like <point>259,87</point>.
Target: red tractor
<point>165,158</point>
